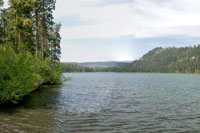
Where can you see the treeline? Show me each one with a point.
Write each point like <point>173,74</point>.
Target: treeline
<point>158,60</point>
<point>76,68</point>
<point>29,47</point>
<point>167,60</point>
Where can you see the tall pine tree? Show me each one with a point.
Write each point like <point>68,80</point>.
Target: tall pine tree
<point>56,38</point>
<point>47,7</point>
<point>22,24</point>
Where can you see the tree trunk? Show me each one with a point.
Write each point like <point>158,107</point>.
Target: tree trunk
<point>43,42</point>
<point>55,50</point>
<point>43,33</point>
<point>37,34</point>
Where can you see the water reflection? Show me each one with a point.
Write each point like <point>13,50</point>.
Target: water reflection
<point>36,113</point>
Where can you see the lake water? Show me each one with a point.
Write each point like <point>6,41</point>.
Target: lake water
<point>109,102</point>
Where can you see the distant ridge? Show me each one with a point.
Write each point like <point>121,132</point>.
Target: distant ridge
<point>101,64</point>
<point>167,60</point>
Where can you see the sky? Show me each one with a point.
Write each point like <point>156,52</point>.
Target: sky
<point>124,30</point>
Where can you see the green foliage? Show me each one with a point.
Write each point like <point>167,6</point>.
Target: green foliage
<point>168,60</point>
<point>51,72</point>
<point>16,79</point>
<point>158,60</point>
<point>3,26</point>
<point>21,24</point>
<point>26,27</point>
<point>55,43</point>
<point>20,74</point>
<point>75,68</point>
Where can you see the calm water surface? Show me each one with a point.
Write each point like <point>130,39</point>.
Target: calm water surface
<point>109,102</point>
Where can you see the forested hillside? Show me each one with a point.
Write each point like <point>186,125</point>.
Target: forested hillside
<point>29,47</point>
<point>101,64</point>
<point>168,60</point>
<point>77,68</point>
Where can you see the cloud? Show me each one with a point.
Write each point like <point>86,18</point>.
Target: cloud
<point>73,21</point>
<point>110,2</point>
<point>139,18</point>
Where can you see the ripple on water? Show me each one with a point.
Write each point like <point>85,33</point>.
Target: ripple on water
<point>110,102</point>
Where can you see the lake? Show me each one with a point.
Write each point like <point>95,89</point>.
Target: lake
<point>109,102</point>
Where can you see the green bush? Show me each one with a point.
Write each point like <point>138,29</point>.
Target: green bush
<point>21,73</point>
<point>51,72</point>
<point>16,79</point>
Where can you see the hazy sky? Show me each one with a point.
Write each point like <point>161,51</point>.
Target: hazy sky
<point>102,30</point>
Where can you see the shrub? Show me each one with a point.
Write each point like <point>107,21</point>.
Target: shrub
<point>21,73</point>
<point>51,72</point>
<point>16,78</point>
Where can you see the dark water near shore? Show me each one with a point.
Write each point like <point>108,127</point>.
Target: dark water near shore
<point>109,102</point>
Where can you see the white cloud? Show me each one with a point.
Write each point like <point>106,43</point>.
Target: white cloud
<point>140,18</point>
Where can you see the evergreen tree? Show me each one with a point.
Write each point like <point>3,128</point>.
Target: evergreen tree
<point>56,38</point>
<point>3,26</point>
<point>167,60</point>
<point>2,22</point>
<point>22,25</point>
<point>47,7</point>
<point>36,12</point>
